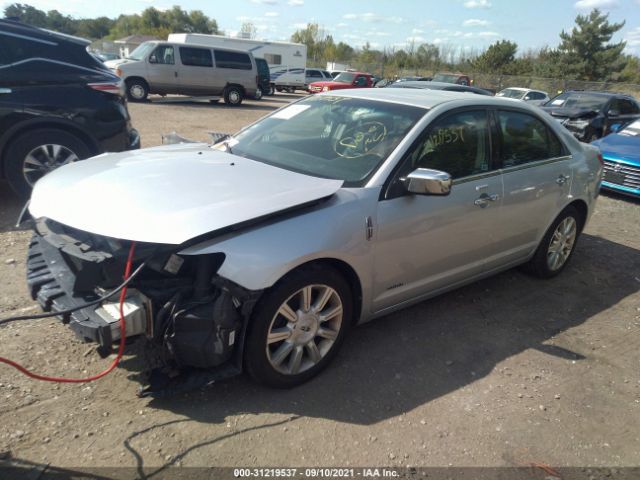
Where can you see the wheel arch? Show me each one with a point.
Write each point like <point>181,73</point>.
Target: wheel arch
<point>582,208</point>
<point>21,129</point>
<point>237,85</point>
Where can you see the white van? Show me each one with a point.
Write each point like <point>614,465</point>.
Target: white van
<point>187,69</point>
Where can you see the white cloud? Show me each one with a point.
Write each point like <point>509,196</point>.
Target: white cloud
<point>372,17</point>
<point>271,14</point>
<point>477,4</point>
<point>295,3</point>
<point>474,22</point>
<point>377,33</point>
<point>265,2</point>
<point>633,41</point>
<point>342,25</point>
<point>416,31</point>
<point>416,39</point>
<point>601,4</point>
<point>300,26</point>
<point>489,34</point>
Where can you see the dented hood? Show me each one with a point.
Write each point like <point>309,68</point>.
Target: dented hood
<point>170,194</point>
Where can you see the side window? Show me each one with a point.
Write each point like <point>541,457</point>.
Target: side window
<point>273,59</point>
<point>196,57</point>
<point>326,74</point>
<point>361,81</point>
<point>235,60</point>
<point>628,107</point>
<point>526,139</point>
<point>456,144</point>
<point>15,49</point>
<point>313,73</point>
<point>163,54</point>
<point>537,95</point>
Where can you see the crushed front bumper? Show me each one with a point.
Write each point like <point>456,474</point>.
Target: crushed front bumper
<point>50,283</point>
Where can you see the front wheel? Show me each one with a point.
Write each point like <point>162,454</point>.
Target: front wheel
<point>298,326</point>
<point>557,245</point>
<point>233,96</point>
<point>137,89</point>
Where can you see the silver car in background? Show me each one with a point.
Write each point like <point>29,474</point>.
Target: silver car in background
<point>533,97</point>
<point>264,249</point>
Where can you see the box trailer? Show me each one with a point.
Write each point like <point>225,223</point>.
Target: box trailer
<point>287,61</point>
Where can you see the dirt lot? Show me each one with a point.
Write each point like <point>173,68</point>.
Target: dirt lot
<point>506,372</point>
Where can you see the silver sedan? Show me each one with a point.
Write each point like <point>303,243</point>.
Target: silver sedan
<point>262,250</point>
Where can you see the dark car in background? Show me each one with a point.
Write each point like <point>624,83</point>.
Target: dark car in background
<point>451,87</point>
<point>591,115</point>
<point>58,104</point>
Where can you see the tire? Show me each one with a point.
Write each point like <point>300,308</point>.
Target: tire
<point>288,358</point>
<point>258,95</point>
<point>37,152</point>
<point>233,96</point>
<point>137,89</point>
<point>549,259</point>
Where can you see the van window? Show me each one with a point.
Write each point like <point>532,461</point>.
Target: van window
<point>163,54</point>
<point>273,59</point>
<point>196,57</point>
<point>237,60</point>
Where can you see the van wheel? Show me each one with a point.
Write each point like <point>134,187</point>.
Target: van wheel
<point>34,154</point>
<point>258,94</point>
<point>233,96</point>
<point>137,89</point>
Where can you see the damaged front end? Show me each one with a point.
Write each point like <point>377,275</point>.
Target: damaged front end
<point>184,311</point>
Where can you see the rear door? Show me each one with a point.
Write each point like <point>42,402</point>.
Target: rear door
<point>427,243</point>
<point>537,175</point>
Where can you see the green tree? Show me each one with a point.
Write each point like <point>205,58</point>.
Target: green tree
<point>587,53</point>
<point>27,14</point>
<point>496,58</point>
<point>631,72</point>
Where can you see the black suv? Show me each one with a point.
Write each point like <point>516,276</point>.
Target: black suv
<point>58,104</point>
<point>591,115</point>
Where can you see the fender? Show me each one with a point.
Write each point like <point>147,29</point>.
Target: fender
<point>257,258</point>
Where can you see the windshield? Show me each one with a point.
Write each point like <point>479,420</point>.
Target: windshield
<point>141,52</point>
<point>345,77</point>
<point>328,136</point>
<point>582,101</point>
<point>443,77</point>
<point>632,130</point>
<point>510,93</point>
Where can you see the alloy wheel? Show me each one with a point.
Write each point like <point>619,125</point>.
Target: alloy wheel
<point>45,158</point>
<point>562,243</point>
<point>304,329</point>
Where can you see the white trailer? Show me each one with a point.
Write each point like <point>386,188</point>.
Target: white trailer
<point>287,61</point>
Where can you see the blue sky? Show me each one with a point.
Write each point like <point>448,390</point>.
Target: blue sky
<point>470,24</point>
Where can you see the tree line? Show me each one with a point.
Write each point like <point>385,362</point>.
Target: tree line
<point>584,53</point>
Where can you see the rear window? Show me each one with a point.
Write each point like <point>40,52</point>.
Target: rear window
<point>236,60</point>
<point>196,57</point>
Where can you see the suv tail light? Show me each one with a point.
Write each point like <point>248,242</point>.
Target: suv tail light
<point>115,88</point>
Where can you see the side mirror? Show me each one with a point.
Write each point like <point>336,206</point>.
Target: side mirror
<point>153,59</point>
<point>424,181</point>
<point>613,113</point>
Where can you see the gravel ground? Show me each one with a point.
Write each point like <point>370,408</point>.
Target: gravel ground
<point>506,372</point>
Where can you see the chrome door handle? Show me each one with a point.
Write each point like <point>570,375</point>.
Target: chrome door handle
<point>5,90</point>
<point>562,179</point>
<point>483,200</point>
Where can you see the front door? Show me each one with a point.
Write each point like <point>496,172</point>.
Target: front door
<point>427,243</point>
<point>162,72</point>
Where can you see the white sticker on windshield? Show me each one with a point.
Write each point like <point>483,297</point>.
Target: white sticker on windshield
<point>632,130</point>
<point>290,112</point>
<point>559,101</point>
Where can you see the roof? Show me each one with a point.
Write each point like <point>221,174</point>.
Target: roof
<point>136,39</point>
<point>13,27</point>
<point>420,97</point>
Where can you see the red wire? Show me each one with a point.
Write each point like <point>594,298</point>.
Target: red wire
<point>114,364</point>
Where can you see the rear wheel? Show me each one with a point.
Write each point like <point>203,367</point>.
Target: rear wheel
<point>233,96</point>
<point>137,89</point>
<point>36,153</point>
<point>557,245</point>
<point>298,327</point>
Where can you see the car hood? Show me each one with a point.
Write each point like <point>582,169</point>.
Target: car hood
<point>570,112</point>
<point>170,194</point>
<point>620,147</point>
<point>113,64</point>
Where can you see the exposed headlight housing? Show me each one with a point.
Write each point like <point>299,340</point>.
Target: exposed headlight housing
<point>577,124</point>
